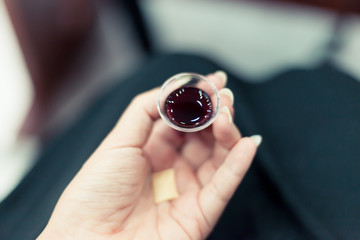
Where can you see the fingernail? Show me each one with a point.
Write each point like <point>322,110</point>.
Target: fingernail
<point>226,110</point>
<point>229,93</point>
<point>257,139</point>
<point>222,75</point>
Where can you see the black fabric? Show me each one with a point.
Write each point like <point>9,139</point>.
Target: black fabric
<point>304,183</point>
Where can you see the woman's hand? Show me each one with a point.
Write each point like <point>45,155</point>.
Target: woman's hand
<point>112,197</point>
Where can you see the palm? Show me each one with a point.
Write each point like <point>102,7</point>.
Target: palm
<point>192,157</point>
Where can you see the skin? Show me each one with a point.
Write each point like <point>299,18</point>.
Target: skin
<point>111,196</point>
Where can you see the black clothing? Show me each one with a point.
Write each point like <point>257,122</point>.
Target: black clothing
<point>303,184</point>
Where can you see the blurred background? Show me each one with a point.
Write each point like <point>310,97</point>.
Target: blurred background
<point>58,56</point>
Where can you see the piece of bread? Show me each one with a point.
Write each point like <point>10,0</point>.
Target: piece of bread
<point>164,185</point>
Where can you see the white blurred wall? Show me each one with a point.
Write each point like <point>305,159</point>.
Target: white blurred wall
<point>16,94</point>
<point>252,39</point>
<point>16,91</point>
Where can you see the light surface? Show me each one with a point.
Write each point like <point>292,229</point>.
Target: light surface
<point>16,95</point>
<point>348,57</point>
<point>251,39</point>
<point>15,86</point>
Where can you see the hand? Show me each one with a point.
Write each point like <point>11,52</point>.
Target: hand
<point>111,197</point>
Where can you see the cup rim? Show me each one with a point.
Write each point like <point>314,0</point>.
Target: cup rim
<point>192,129</point>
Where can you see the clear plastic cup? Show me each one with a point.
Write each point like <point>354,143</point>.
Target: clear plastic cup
<point>188,102</point>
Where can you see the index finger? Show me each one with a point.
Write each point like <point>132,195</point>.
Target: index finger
<point>219,78</point>
<point>217,192</point>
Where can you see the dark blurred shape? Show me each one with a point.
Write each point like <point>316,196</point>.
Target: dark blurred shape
<point>342,6</point>
<point>139,24</point>
<point>51,34</point>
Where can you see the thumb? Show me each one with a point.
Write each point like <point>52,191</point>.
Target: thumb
<point>118,160</point>
<point>119,157</point>
<point>136,123</point>
<point>108,184</point>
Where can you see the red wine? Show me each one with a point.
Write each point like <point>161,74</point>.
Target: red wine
<point>188,107</point>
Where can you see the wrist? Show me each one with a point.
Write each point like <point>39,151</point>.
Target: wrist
<point>48,233</point>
